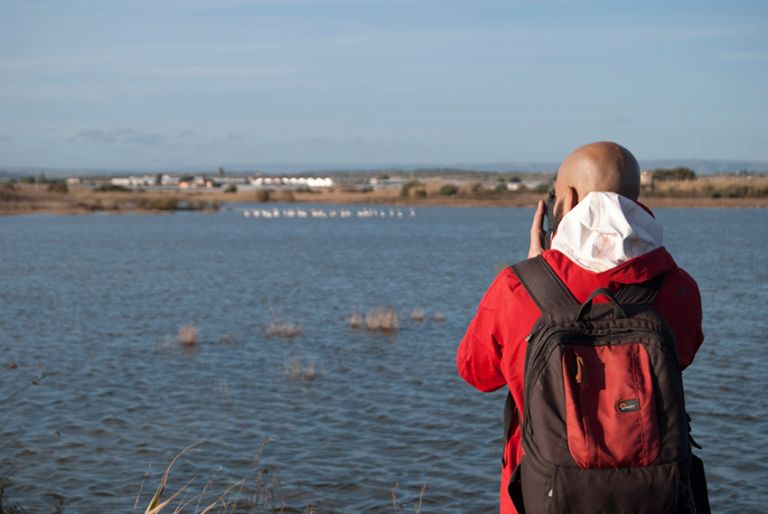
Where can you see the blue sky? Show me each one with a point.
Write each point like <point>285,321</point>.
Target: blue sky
<point>177,83</point>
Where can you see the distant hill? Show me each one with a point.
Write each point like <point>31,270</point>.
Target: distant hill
<point>701,166</point>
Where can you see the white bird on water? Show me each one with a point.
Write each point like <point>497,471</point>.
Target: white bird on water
<point>366,212</point>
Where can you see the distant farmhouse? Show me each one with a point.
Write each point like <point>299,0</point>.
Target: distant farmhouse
<point>167,181</point>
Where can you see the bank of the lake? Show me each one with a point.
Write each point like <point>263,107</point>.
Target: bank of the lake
<point>80,200</point>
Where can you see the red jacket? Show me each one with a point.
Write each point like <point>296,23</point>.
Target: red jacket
<point>492,353</point>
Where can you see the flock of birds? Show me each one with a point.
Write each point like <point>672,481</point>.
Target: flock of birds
<point>331,213</point>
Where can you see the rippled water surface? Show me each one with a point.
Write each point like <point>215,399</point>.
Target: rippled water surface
<point>95,302</point>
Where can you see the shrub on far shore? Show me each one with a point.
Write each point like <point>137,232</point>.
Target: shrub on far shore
<point>713,187</point>
<point>411,185</point>
<point>112,188</point>
<point>262,195</point>
<point>59,186</point>
<point>160,203</point>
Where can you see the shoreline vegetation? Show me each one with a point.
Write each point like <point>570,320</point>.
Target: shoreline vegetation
<point>676,188</point>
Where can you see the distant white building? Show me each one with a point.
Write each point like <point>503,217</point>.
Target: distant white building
<point>293,182</point>
<point>646,179</point>
<point>146,180</point>
<point>168,180</point>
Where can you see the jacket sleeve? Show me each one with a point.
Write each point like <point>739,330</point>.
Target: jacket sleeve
<point>688,346</point>
<point>479,355</point>
<point>680,303</point>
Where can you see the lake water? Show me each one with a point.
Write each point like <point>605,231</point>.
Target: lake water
<point>95,303</point>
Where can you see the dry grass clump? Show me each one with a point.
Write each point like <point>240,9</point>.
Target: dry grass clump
<point>262,499</point>
<point>286,329</point>
<point>188,335</point>
<point>6,507</point>
<point>295,371</point>
<point>355,320</point>
<point>382,319</point>
<point>279,327</point>
<point>437,316</point>
<point>417,314</point>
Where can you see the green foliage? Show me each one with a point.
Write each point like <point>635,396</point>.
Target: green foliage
<point>160,203</point>
<point>679,173</point>
<point>59,186</point>
<point>112,188</point>
<point>449,190</point>
<point>231,188</point>
<point>405,190</point>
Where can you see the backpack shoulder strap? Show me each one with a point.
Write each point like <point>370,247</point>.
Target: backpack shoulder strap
<point>543,285</point>
<point>644,292</point>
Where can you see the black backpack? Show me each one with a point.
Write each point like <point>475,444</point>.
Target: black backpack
<point>604,427</point>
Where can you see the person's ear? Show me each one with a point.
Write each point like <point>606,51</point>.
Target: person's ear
<point>570,200</point>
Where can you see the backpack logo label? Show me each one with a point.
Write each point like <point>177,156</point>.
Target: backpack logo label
<point>632,405</point>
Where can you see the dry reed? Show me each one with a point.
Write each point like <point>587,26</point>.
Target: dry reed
<point>262,499</point>
<point>286,329</point>
<point>437,316</point>
<point>188,335</point>
<point>417,314</point>
<point>382,319</point>
<point>355,320</point>
<point>398,507</point>
<point>294,371</point>
<point>718,186</point>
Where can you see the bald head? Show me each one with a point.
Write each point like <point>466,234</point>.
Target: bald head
<point>602,166</point>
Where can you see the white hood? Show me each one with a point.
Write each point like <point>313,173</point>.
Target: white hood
<point>606,229</point>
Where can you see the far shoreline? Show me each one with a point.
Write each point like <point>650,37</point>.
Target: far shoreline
<point>151,202</point>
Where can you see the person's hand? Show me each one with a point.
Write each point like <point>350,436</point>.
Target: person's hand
<point>537,231</point>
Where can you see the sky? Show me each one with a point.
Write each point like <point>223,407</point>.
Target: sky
<point>175,83</point>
